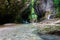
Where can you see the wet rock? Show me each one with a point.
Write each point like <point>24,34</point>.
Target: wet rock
<point>54,32</point>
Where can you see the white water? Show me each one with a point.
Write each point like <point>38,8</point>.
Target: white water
<point>47,5</point>
<point>50,8</point>
<point>49,16</point>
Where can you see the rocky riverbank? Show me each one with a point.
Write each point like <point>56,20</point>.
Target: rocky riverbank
<point>32,31</point>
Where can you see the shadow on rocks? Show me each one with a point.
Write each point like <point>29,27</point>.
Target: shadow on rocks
<point>55,32</point>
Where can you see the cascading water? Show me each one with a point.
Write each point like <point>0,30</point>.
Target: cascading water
<point>50,9</point>
<point>48,16</point>
<point>45,7</point>
<point>51,16</point>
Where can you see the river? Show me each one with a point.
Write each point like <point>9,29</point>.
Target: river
<point>23,32</point>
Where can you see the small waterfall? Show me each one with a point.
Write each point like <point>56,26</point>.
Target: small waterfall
<point>46,7</point>
<point>49,16</point>
<point>50,9</point>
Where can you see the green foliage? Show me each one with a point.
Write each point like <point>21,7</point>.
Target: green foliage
<point>57,7</point>
<point>56,2</point>
<point>58,15</point>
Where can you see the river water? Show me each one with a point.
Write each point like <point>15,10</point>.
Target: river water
<point>24,32</point>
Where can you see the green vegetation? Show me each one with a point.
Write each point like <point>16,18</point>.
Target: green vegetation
<point>33,14</point>
<point>57,7</point>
